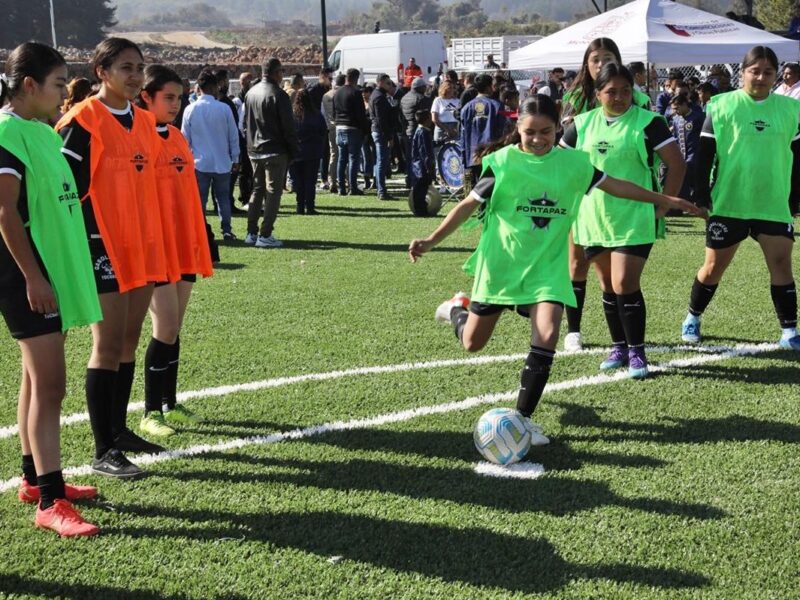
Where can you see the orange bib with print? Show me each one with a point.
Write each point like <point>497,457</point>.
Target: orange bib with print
<point>181,212</point>
<point>123,191</point>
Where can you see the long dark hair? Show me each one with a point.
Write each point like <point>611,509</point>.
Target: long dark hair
<point>302,105</point>
<point>584,86</point>
<point>535,105</point>
<point>30,59</point>
<point>155,78</point>
<point>108,50</point>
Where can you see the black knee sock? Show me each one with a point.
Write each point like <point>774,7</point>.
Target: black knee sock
<point>612,318</point>
<point>533,378</point>
<point>156,365</point>
<point>29,469</point>
<point>100,384</point>
<point>784,297</point>
<point>574,315</point>
<point>171,378</point>
<point>633,314</point>
<point>458,317</point>
<point>122,395</point>
<point>702,293</point>
<point>51,488</point>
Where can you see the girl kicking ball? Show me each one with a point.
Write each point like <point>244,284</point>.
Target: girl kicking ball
<point>530,192</point>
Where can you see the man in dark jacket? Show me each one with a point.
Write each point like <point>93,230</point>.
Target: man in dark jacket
<point>317,91</point>
<point>470,91</point>
<point>412,102</point>
<point>383,123</point>
<point>352,125</point>
<point>271,145</point>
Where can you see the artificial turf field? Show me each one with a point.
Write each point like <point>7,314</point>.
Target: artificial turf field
<point>685,485</point>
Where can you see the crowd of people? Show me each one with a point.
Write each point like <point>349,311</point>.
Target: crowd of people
<point>103,188</point>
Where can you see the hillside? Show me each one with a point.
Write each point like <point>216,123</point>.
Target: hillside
<point>256,11</point>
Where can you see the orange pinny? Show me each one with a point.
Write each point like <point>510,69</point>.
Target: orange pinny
<point>181,212</point>
<point>123,191</point>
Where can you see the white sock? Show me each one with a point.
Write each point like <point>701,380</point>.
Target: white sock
<point>789,332</point>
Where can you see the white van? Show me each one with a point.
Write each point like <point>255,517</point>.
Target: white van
<point>388,52</point>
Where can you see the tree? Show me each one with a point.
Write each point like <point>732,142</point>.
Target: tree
<point>78,22</point>
<point>775,14</point>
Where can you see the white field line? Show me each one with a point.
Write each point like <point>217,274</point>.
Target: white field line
<point>519,470</point>
<point>224,390</point>
<point>407,415</point>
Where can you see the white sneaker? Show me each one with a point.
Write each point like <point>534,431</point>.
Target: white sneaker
<point>573,342</point>
<point>250,239</point>
<point>268,242</point>
<point>443,311</point>
<point>537,437</point>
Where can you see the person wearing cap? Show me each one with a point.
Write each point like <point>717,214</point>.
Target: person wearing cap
<point>665,97</point>
<point>412,71</point>
<point>414,101</point>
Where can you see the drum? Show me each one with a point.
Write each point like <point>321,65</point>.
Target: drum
<point>451,165</point>
<point>433,199</point>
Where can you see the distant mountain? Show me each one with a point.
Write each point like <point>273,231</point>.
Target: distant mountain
<point>257,11</point>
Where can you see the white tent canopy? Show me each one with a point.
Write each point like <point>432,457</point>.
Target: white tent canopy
<point>661,32</point>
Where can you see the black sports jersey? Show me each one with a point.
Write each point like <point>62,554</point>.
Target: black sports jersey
<point>11,278</point>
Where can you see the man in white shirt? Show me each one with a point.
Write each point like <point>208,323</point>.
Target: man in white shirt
<point>791,81</point>
<point>209,127</point>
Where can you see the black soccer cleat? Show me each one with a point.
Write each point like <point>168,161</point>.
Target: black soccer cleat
<point>114,464</point>
<point>128,441</point>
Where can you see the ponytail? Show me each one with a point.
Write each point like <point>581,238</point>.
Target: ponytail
<point>30,59</point>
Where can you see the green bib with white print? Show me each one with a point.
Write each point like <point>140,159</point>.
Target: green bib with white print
<point>56,219</point>
<point>522,256</point>
<point>753,178</point>
<point>619,149</point>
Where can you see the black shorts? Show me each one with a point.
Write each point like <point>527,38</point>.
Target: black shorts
<point>724,232</point>
<point>640,250</point>
<point>483,309</point>
<point>187,277</point>
<point>104,276</point>
<point>21,320</point>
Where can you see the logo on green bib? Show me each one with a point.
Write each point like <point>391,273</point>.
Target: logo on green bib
<point>603,147</point>
<point>541,210</point>
<point>760,125</point>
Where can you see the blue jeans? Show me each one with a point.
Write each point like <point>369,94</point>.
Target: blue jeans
<point>222,192</point>
<point>349,142</point>
<point>382,161</point>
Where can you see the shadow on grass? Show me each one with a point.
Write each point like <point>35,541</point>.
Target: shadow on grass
<point>335,245</point>
<point>551,495</point>
<point>235,429</point>
<point>675,431</point>
<point>465,555</point>
<point>18,584</point>
<point>221,266</point>
<point>452,445</point>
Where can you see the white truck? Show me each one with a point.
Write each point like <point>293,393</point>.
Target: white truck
<point>471,53</point>
<point>388,52</point>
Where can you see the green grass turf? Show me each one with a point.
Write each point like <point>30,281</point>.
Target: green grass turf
<point>682,486</point>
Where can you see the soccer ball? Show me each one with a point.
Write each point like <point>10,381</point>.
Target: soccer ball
<point>502,437</point>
